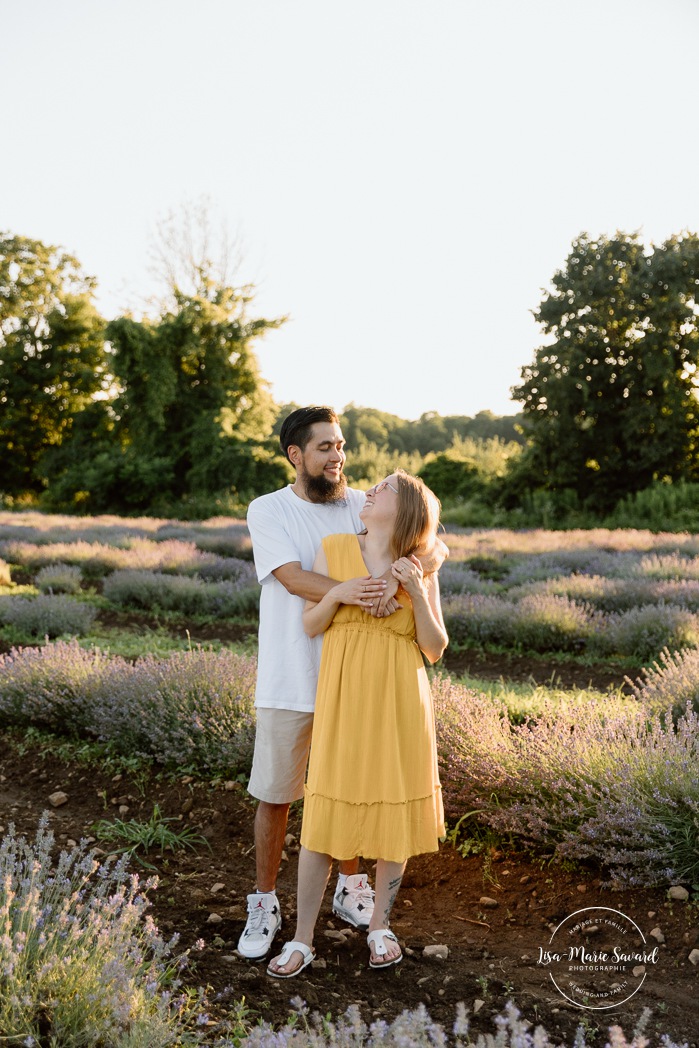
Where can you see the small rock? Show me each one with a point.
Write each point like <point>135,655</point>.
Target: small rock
<point>124,809</point>
<point>435,953</point>
<point>285,857</point>
<point>335,936</point>
<point>58,798</point>
<point>186,779</point>
<point>2,829</point>
<point>525,957</point>
<point>423,980</point>
<point>678,892</point>
<point>214,918</point>
<point>525,878</point>
<point>488,903</point>
<point>582,888</point>
<point>230,785</point>
<point>319,962</point>
<point>218,887</point>
<point>638,971</point>
<point>117,778</point>
<point>187,805</point>
<point>289,840</point>
<point>229,958</point>
<point>441,993</point>
<point>694,957</point>
<point>651,914</point>
<point>407,904</point>
<point>657,934</point>
<point>477,1005</point>
<point>70,843</point>
<point>592,929</point>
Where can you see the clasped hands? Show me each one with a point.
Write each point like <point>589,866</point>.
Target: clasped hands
<point>378,596</point>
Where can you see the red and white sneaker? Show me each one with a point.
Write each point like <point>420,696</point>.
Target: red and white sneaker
<point>263,923</point>
<point>355,902</point>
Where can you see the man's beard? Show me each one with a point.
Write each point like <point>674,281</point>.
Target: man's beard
<point>321,489</point>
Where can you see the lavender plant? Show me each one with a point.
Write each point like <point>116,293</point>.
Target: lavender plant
<point>191,708</point>
<point>415,1029</point>
<point>671,684</point>
<point>610,784</point>
<point>47,615</point>
<point>58,578</point>
<point>644,631</point>
<point>151,590</point>
<point>80,960</point>
<point>54,687</point>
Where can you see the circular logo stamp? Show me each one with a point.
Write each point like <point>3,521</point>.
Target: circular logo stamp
<point>597,958</point>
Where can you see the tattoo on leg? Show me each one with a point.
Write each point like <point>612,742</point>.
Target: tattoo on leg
<point>393,887</point>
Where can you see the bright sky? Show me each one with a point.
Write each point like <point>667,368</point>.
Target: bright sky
<point>406,175</point>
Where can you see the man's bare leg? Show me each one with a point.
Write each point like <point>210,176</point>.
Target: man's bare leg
<point>270,831</point>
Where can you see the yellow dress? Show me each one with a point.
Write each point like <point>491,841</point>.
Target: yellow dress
<point>373,783</point>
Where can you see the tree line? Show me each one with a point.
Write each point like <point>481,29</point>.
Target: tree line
<point>168,412</point>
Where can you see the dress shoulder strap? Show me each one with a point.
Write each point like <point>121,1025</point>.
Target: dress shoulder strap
<point>343,554</point>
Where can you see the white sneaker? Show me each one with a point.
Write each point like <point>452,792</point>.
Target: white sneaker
<point>263,923</point>
<point>355,902</point>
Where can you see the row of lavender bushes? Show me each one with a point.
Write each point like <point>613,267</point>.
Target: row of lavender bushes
<point>550,623</point>
<point>96,559</point>
<point>189,709</point>
<point>614,782</point>
<point>601,593</point>
<point>222,535</point>
<point>81,958</point>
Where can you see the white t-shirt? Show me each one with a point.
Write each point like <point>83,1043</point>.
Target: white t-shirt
<point>285,528</point>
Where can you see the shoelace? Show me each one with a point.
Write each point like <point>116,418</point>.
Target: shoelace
<point>365,896</point>
<point>256,918</point>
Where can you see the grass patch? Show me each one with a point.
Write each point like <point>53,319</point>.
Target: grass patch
<point>141,837</point>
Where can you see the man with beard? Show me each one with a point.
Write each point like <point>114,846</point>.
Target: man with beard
<point>287,527</point>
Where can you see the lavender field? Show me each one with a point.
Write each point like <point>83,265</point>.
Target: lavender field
<point>603,781</point>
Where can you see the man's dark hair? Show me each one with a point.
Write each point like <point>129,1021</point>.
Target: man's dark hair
<point>296,427</point>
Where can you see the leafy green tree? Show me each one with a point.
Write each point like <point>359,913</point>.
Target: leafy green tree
<point>610,402</point>
<point>190,415</point>
<point>52,356</point>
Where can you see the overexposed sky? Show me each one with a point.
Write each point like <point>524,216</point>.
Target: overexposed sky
<point>406,176</point>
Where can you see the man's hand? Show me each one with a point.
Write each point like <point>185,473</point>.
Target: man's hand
<point>433,560</point>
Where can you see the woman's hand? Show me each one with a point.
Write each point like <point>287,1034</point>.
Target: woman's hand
<point>408,571</point>
<point>362,591</point>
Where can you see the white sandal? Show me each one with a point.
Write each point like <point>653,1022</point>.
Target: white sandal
<point>307,953</point>
<point>377,943</point>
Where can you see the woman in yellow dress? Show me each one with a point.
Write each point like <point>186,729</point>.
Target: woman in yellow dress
<point>373,784</point>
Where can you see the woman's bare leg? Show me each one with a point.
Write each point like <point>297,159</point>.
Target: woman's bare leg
<point>314,870</point>
<point>388,878</point>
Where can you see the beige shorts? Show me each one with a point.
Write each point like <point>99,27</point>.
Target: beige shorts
<point>282,744</point>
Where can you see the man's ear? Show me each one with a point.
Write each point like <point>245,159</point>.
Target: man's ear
<point>294,453</point>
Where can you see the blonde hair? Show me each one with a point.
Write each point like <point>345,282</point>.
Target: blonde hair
<point>417,519</point>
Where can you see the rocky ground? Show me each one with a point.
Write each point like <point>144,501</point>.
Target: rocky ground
<point>493,912</point>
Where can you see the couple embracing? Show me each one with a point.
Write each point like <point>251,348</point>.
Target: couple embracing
<point>349,605</point>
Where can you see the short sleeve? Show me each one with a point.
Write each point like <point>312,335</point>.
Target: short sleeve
<point>272,545</point>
